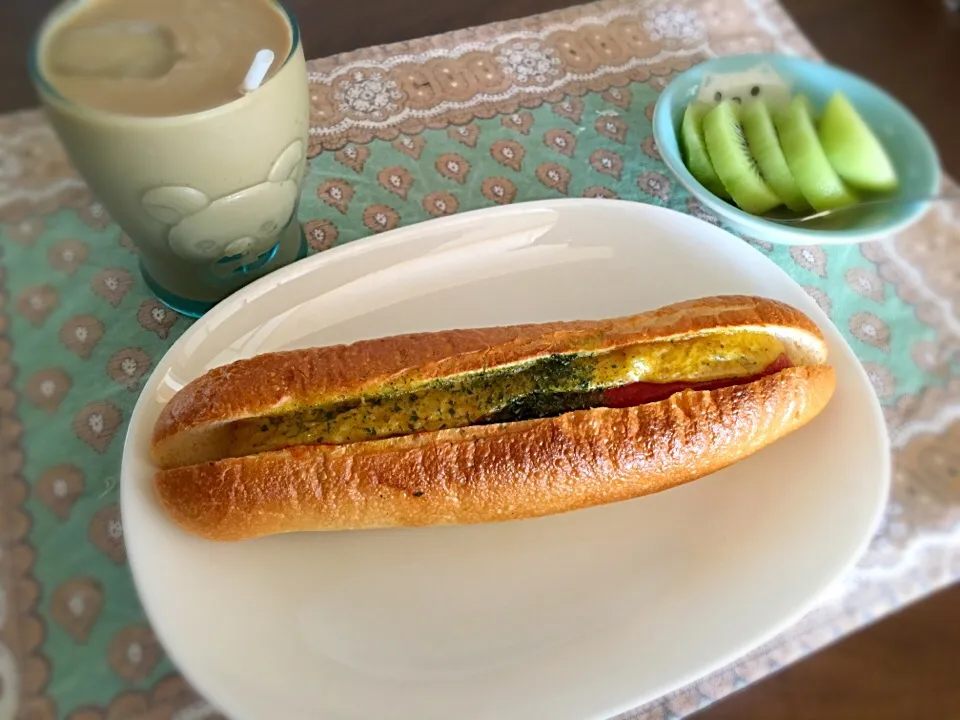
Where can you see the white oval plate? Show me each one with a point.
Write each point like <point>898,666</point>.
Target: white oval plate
<point>577,616</point>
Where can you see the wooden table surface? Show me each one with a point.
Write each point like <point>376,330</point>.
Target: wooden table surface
<point>903,667</point>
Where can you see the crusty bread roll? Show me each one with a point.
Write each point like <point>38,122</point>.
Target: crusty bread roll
<point>213,485</point>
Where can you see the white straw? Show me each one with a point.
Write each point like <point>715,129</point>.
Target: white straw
<point>258,70</point>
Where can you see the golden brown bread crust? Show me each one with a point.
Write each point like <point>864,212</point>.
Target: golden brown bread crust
<point>495,472</point>
<point>266,383</point>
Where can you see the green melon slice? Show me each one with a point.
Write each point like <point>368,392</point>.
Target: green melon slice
<point>853,149</point>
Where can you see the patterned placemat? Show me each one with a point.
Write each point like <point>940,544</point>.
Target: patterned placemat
<point>549,106</point>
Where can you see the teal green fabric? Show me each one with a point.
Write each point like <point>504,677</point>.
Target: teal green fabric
<point>75,391</point>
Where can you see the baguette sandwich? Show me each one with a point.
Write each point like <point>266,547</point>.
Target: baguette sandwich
<point>483,425</point>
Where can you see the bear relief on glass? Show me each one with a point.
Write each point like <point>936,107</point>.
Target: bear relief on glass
<point>758,81</point>
<point>238,233</point>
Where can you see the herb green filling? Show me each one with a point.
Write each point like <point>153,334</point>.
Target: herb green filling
<point>541,388</point>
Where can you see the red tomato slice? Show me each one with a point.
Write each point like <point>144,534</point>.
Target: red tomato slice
<point>639,393</point>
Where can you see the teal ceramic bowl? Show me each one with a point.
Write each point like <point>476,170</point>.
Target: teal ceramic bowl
<point>906,141</point>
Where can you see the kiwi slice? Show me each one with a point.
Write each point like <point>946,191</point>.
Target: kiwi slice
<point>695,151</point>
<point>764,145</point>
<point>814,174</point>
<point>736,167</point>
<point>852,148</point>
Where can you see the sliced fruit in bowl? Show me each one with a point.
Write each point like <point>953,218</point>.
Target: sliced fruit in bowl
<point>763,157</point>
<point>764,138</point>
